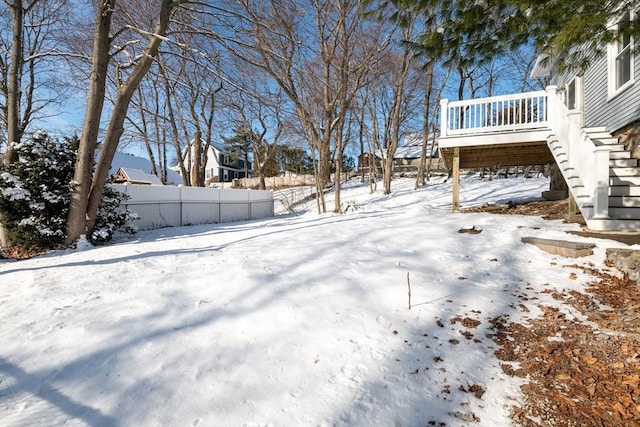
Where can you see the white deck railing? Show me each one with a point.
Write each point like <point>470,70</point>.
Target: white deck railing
<point>494,114</point>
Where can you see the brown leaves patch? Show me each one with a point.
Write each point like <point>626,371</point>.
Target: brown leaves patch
<point>579,374</point>
<point>545,209</point>
<point>467,322</point>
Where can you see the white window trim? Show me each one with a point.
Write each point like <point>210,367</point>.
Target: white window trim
<point>612,53</point>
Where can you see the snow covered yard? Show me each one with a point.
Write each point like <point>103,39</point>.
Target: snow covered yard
<point>301,319</point>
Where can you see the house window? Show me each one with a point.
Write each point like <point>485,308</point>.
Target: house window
<point>621,58</point>
<point>574,94</point>
<point>571,95</point>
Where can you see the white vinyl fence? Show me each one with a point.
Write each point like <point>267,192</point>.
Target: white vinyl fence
<point>168,206</point>
<point>277,182</point>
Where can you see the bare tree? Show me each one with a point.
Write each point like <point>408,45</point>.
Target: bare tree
<point>354,63</point>
<point>430,120</point>
<point>88,188</point>
<point>392,100</point>
<point>30,54</point>
<point>257,114</point>
<point>308,49</point>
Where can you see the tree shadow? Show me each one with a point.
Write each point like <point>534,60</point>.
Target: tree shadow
<point>20,381</point>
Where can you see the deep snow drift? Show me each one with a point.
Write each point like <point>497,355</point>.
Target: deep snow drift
<point>301,319</point>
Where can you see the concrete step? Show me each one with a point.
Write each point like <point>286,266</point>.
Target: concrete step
<point>618,225</point>
<point>624,201</point>
<point>623,163</point>
<point>624,190</point>
<point>624,172</point>
<point>565,248</point>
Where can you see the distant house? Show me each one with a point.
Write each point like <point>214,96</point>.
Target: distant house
<point>220,166</point>
<point>587,122</point>
<point>135,176</point>
<point>366,160</point>
<point>407,155</point>
<point>129,161</point>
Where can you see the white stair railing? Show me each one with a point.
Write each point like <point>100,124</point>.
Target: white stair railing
<point>589,161</point>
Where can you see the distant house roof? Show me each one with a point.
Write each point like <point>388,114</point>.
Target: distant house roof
<point>411,147</point>
<point>135,176</point>
<point>129,161</point>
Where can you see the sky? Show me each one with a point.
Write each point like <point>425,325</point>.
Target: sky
<point>300,319</point>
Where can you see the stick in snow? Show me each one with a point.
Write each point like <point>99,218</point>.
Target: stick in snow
<point>409,286</point>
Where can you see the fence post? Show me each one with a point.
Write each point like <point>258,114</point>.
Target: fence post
<point>181,206</point>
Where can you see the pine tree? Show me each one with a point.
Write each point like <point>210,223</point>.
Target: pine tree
<point>475,31</point>
<point>240,144</point>
<point>35,195</point>
<point>35,191</point>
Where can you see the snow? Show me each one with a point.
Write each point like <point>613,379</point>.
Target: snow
<point>301,319</point>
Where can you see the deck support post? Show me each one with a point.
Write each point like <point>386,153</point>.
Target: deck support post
<point>456,179</point>
<point>573,206</point>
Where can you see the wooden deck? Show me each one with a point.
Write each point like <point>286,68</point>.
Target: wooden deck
<point>509,130</point>
<point>503,154</point>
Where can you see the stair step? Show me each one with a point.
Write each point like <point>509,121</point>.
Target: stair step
<point>624,201</point>
<point>615,147</point>
<point>624,180</point>
<point>623,163</point>
<point>556,147</point>
<point>624,213</point>
<point>624,190</point>
<point>561,247</point>
<point>595,129</point>
<point>624,172</point>
<point>619,155</point>
<point>605,140</point>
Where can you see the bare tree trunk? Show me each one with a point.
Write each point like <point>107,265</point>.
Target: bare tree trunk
<point>13,97</point>
<point>361,140</point>
<point>13,93</point>
<point>76,220</point>
<point>174,131</point>
<point>395,118</point>
<point>115,128</point>
<point>196,177</point>
<point>426,107</point>
<point>337,205</point>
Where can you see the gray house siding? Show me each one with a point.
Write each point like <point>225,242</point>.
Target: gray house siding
<point>560,79</point>
<point>613,113</point>
<point>599,110</point>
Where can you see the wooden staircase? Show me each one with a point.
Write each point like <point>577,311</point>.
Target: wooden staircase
<point>624,185</point>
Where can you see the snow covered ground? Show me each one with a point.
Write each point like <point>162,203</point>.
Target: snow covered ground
<point>301,319</point>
